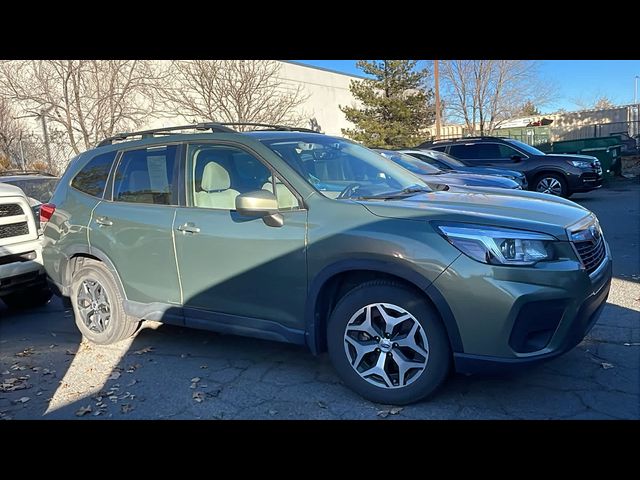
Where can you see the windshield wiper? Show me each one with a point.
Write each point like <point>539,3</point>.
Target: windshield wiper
<point>405,192</point>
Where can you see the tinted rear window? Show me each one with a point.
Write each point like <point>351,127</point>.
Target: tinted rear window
<point>93,177</point>
<point>39,188</point>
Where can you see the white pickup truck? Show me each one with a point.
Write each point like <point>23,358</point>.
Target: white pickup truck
<point>22,276</point>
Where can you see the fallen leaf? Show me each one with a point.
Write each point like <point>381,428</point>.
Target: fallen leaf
<point>383,413</point>
<point>69,352</point>
<point>39,393</point>
<point>22,400</point>
<point>133,368</point>
<point>132,383</point>
<point>322,404</point>
<point>113,398</point>
<point>142,351</point>
<point>115,375</point>
<point>97,412</point>
<point>606,365</point>
<point>83,411</point>
<point>204,366</point>
<point>395,410</point>
<point>46,371</point>
<point>25,353</point>
<point>195,379</point>
<point>53,345</point>
<point>7,372</point>
<point>126,408</point>
<point>53,334</point>
<point>273,412</point>
<point>35,369</point>
<point>198,396</point>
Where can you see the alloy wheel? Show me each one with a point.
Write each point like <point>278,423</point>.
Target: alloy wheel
<point>93,306</point>
<point>386,345</point>
<point>549,185</point>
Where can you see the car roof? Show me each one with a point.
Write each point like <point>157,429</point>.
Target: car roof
<point>11,178</point>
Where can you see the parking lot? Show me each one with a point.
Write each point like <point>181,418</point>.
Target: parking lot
<point>170,372</point>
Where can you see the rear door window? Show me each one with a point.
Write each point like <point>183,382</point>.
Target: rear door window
<point>147,175</point>
<point>92,178</point>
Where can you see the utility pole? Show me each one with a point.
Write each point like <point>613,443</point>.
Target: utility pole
<point>437,92</point>
<point>45,134</point>
<point>635,94</point>
<point>24,165</point>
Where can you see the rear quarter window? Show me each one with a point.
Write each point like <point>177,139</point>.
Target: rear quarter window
<point>92,178</point>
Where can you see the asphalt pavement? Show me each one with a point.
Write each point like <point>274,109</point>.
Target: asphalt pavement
<point>166,372</point>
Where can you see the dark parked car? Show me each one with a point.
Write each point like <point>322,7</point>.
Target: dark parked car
<point>315,240</point>
<point>452,165</point>
<point>557,174</point>
<point>434,175</point>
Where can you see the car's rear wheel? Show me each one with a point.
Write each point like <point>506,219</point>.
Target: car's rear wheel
<point>388,344</point>
<point>552,183</point>
<point>30,297</point>
<point>97,305</point>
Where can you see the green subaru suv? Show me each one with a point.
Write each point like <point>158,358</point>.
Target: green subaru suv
<point>296,236</point>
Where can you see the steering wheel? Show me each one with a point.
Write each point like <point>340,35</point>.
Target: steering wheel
<point>349,190</point>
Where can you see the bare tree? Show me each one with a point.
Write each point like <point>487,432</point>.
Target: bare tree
<point>484,93</point>
<point>11,132</point>
<point>85,99</point>
<point>597,101</point>
<point>232,91</point>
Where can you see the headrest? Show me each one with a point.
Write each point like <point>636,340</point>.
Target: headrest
<point>215,177</point>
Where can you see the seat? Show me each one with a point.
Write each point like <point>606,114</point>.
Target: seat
<point>286,199</point>
<point>216,191</point>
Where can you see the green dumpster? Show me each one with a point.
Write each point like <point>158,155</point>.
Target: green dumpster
<point>606,149</point>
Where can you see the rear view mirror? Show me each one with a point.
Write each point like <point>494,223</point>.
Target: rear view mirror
<point>260,203</point>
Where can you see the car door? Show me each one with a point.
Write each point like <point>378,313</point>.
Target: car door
<point>132,226</point>
<point>237,270</point>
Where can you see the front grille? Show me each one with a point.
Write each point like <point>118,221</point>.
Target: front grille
<point>591,253</point>
<point>10,210</point>
<point>14,230</point>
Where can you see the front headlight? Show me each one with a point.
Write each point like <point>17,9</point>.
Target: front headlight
<point>499,246</point>
<point>580,163</point>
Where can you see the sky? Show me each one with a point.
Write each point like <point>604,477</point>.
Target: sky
<point>576,79</point>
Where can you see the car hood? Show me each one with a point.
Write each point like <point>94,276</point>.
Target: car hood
<point>572,156</point>
<point>469,179</point>
<point>488,206</point>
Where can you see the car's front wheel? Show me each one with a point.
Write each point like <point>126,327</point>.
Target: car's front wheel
<point>97,305</point>
<point>553,184</point>
<point>388,344</point>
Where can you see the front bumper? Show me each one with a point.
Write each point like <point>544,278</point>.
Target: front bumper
<point>587,181</point>
<point>511,316</point>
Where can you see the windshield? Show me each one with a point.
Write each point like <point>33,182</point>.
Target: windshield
<point>523,146</point>
<point>340,168</point>
<point>445,158</point>
<point>39,188</point>
<point>410,163</point>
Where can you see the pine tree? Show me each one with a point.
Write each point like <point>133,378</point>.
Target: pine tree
<point>396,104</point>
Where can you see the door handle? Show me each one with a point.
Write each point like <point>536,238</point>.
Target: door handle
<point>104,221</point>
<point>188,228</point>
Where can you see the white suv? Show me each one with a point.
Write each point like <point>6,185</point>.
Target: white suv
<point>22,276</point>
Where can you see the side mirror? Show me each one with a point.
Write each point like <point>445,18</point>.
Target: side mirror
<point>516,158</point>
<point>260,203</point>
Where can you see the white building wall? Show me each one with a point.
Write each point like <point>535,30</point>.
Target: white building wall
<point>326,91</point>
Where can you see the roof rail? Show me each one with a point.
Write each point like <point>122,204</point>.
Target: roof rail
<point>213,126</point>
<point>270,127</point>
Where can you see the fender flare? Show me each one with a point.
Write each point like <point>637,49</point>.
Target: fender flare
<point>313,328</point>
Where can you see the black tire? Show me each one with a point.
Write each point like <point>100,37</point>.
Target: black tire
<point>35,296</point>
<point>120,325</point>
<point>564,189</point>
<point>381,291</point>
